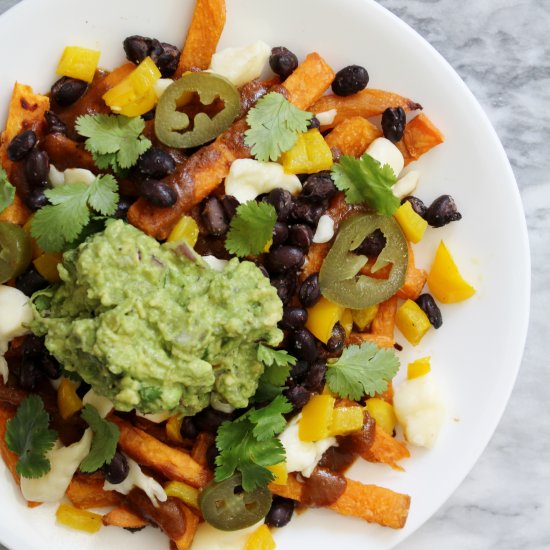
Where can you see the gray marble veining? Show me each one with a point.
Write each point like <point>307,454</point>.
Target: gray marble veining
<point>501,48</point>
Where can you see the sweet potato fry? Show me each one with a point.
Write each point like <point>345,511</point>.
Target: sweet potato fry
<point>86,491</point>
<point>352,136</point>
<point>175,464</point>
<point>367,103</point>
<point>201,446</point>
<point>384,322</point>
<point>191,523</point>
<point>359,337</point>
<point>10,458</point>
<point>203,35</point>
<point>415,279</point>
<point>16,212</point>
<point>122,517</point>
<point>369,502</point>
<point>386,449</point>
<point>419,137</point>
<point>65,153</point>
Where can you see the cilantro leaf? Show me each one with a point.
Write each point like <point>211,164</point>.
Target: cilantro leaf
<point>106,435</point>
<point>251,228</point>
<point>274,126</point>
<point>277,364</point>
<point>364,180</point>
<point>360,370</point>
<point>103,195</point>
<point>270,420</point>
<point>7,191</point>
<point>28,435</point>
<point>115,141</point>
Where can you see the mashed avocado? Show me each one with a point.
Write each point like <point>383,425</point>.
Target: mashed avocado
<point>153,330</point>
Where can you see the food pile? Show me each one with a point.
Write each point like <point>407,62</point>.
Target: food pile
<point>201,273</point>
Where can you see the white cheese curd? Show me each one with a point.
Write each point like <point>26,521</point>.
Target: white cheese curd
<point>302,456</point>
<point>103,405</point>
<point>64,463</point>
<point>406,184</point>
<point>210,538</point>
<point>241,65</point>
<point>156,418</point>
<point>136,478</point>
<point>420,409</point>
<point>325,229</point>
<point>215,263</point>
<point>326,117</point>
<point>15,316</point>
<point>249,178</point>
<point>385,152</point>
<point>56,178</point>
<point>161,84</point>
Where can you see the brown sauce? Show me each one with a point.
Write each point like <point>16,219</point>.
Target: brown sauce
<point>362,441</point>
<point>339,459</point>
<point>322,488</point>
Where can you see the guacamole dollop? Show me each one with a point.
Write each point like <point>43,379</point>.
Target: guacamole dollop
<point>153,330</point>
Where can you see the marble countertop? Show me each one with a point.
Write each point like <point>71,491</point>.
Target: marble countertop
<point>501,48</point>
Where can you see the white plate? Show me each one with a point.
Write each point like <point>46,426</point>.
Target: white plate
<point>477,352</point>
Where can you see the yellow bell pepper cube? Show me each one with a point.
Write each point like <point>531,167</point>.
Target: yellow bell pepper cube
<point>316,418</point>
<point>322,317</point>
<point>411,223</point>
<point>135,95</point>
<point>185,230</point>
<point>445,281</point>
<point>46,264</point>
<point>346,420</point>
<point>382,412</point>
<point>309,155</point>
<point>418,368</point>
<point>281,473</point>
<point>184,492</point>
<point>68,401</point>
<point>173,428</point>
<point>79,519</point>
<point>347,321</point>
<point>78,63</point>
<point>364,317</point>
<point>261,539</point>
<point>412,322</point>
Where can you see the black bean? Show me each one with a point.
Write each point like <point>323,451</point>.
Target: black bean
<point>156,163</point>
<point>124,204</point>
<point>54,125</point>
<point>149,115</point>
<point>283,259</point>
<point>417,205</point>
<point>67,90</point>
<point>298,397</point>
<point>50,367</point>
<point>313,123</point>
<point>431,309</point>
<point>373,244</point>
<point>299,371</point>
<point>337,339</point>
<point>37,166</point>
<point>209,420</point>
<point>210,456</point>
<point>293,318</point>
<point>315,379</point>
<point>83,389</point>
<point>188,428</point>
<point>33,346</point>
<point>21,145</point>
<point>285,285</point>
<point>319,187</point>
<point>305,211</point>
<point>165,56</point>
<point>281,200</point>
<point>36,199</point>
<point>442,211</point>
<point>213,217</point>
<point>280,233</point>
<point>29,374</point>
<point>230,205</point>
<point>350,80</point>
<point>303,345</point>
<point>393,123</point>
<point>30,282</point>
<point>136,48</point>
<point>300,235</point>
<point>282,62</point>
<point>158,193</point>
<point>310,291</point>
<point>280,512</point>
<point>167,61</point>
<point>117,470</point>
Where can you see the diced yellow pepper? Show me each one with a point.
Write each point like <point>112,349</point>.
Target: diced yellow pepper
<point>267,246</point>
<point>35,248</point>
<point>346,420</point>
<point>68,401</point>
<point>445,281</point>
<point>173,428</point>
<point>281,473</point>
<point>347,321</point>
<point>185,230</point>
<point>46,265</point>
<point>412,322</point>
<point>261,539</point>
<point>79,519</point>
<point>382,412</point>
<point>322,317</point>
<point>135,95</point>
<point>77,62</point>
<point>309,155</point>
<point>418,368</point>
<point>184,492</point>
<point>411,223</point>
<point>316,418</point>
<point>364,317</point>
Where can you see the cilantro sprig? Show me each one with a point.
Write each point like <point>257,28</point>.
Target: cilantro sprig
<point>57,225</point>
<point>29,437</point>
<point>251,228</point>
<point>277,363</point>
<point>365,180</point>
<point>7,191</point>
<point>274,126</point>
<point>248,444</point>
<point>115,141</point>
<point>362,370</point>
